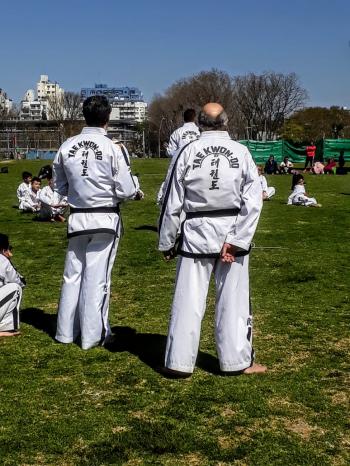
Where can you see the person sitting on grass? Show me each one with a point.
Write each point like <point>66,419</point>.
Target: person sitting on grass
<point>11,284</point>
<point>271,166</point>
<point>285,166</point>
<point>24,186</point>
<point>52,205</point>
<point>299,195</point>
<point>31,202</point>
<point>330,168</point>
<point>318,168</point>
<point>267,192</point>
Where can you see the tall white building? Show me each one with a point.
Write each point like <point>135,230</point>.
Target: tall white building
<point>31,108</point>
<point>128,110</point>
<point>39,108</point>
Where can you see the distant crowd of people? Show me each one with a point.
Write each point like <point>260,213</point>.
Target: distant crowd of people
<point>45,202</point>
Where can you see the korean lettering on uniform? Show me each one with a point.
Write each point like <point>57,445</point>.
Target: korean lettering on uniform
<point>83,149</point>
<point>216,152</point>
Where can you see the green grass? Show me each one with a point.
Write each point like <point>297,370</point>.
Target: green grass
<point>60,405</point>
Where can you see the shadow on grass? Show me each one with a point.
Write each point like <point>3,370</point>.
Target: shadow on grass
<point>147,227</point>
<point>150,349</point>
<point>40,320</point>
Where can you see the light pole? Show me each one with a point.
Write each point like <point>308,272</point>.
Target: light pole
<point>160,127</point>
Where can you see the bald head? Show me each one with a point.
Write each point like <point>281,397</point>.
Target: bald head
<point>212,117</point>
<point>213,109</point>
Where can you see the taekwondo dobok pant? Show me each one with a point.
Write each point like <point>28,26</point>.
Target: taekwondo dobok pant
<point>10,301</point>
<point>84,303</point>
<point>233,320</point>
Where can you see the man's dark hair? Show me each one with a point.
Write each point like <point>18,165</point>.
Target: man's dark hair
<point>26,175</point>
<point>189,115</point>
<point>4,242</point>
<point>36,178</point>
<point>96,110</point>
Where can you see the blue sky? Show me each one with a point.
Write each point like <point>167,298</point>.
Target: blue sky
<point>150,44</point>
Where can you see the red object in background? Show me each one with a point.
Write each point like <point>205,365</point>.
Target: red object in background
<point>310,151</point>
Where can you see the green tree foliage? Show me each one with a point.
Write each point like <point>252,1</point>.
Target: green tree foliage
<point>315,123</point>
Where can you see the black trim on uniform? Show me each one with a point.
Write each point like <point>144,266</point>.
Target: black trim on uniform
<point>209,255</point>
<point>90,232</point>
<point>212,213</point>
<point>103,332</point>
<point>95,210</point>
<point>167,192</point>
<point>122,148</point>
<point>7,298</point>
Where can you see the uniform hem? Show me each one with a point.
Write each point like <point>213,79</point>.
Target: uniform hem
<point>228,367</point>
<point>86,346</point>
<point>179,367</point>
<point>63,339</point>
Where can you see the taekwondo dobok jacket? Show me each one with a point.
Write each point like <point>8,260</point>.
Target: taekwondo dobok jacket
<point>94,174</point>
<point>215,182</point>
<point>8,274</point>
<point>181,136</point>
<point>49,198</point>
<point>21,190</point>
<point>30,201</point>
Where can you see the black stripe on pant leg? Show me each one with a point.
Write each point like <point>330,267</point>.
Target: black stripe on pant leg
<point>15,314</point>
<point>103,332</point>
<point>8,298</point>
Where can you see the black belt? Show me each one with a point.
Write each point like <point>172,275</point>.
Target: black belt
<point>212,213</point>
<point>94,210</point>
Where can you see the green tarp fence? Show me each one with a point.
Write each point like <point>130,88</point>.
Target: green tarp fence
<point>325,149</point>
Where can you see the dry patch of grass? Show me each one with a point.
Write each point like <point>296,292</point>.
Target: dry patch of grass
<point>302,428</point>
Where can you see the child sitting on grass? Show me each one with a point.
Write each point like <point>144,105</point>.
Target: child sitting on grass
<point>299,196</point>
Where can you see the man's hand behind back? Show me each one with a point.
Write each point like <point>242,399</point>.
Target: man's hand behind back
<point>228,253</point>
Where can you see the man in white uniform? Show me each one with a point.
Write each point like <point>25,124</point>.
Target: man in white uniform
<point>53,205</point>
<point>11,284</point>
<point>95,176</point>
<point>180,137</point>
<point>215,182</point>
<point>187,132</point>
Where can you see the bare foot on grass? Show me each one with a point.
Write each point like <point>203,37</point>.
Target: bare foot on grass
<point>255,369</point>
<point>9,334</point>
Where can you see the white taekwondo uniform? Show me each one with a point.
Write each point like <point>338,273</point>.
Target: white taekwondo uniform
<point>298,197</point>
<point>180,137</point>
<point>11,284</point>
<point>215,182</point>
<point>95,176</point>
<point>30,201</point>
<point>21,190</point>
<point>48,198</point>
<point>186,133</point>
<point>269,190</point>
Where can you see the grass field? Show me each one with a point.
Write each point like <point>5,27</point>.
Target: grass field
<point>60,405</point>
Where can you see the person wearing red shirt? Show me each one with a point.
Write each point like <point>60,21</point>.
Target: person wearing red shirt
<point>310,155</point>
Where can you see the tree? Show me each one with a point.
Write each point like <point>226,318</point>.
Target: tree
<point>65,106</point>
<point>315,123</point>
<point>166,111</point>
<point>265,101</point>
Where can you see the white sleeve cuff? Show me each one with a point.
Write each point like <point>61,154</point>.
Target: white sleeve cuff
<point>239,244</point>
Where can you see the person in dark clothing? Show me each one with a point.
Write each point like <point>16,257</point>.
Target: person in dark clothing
<point>271,166</point>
